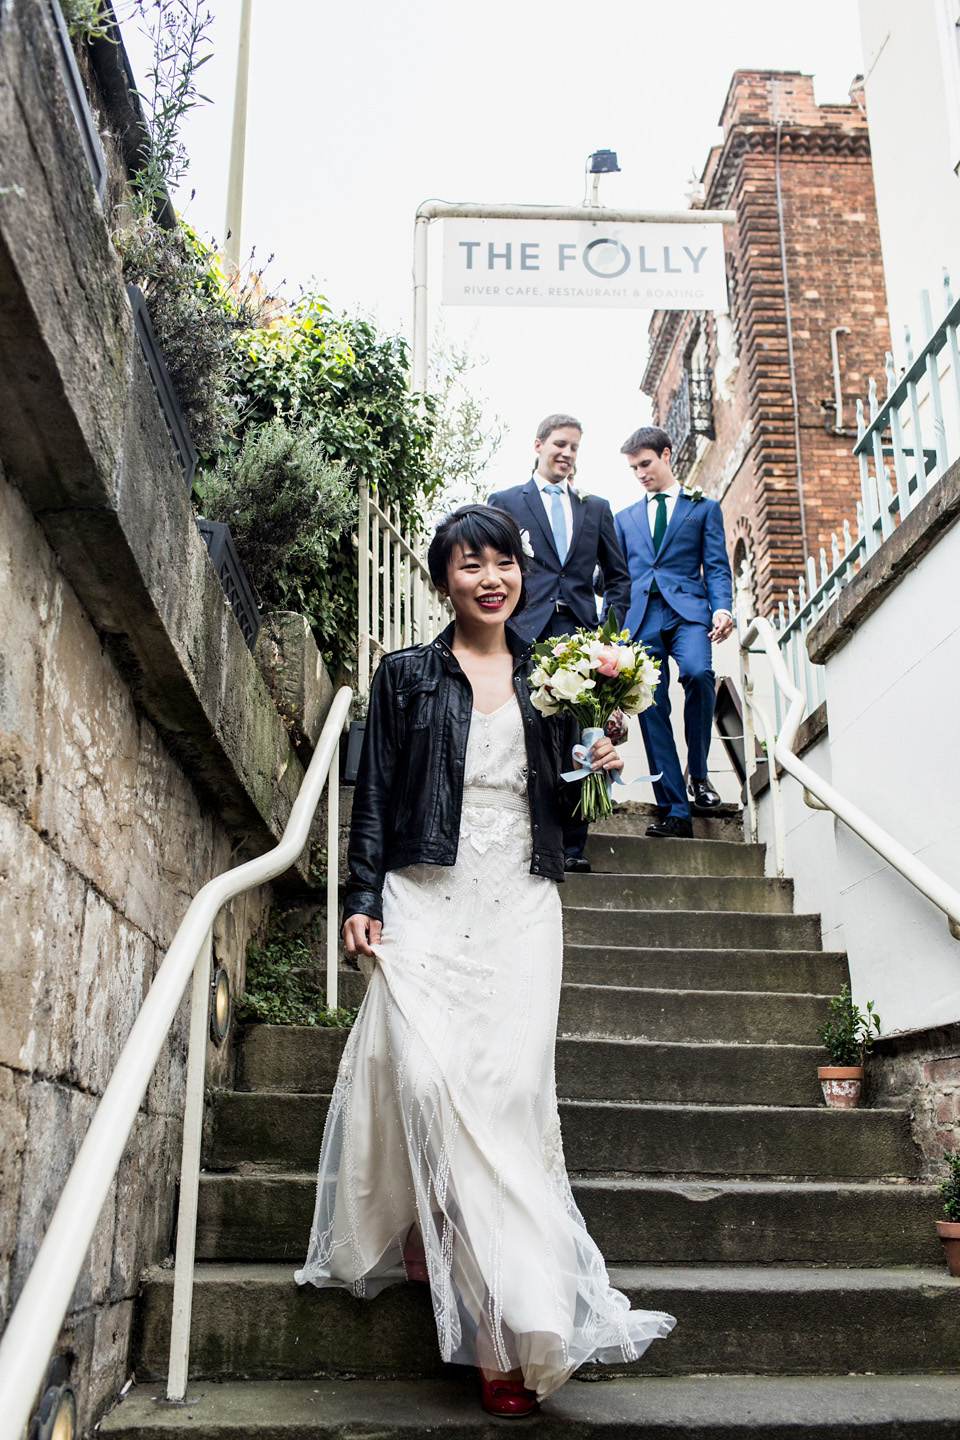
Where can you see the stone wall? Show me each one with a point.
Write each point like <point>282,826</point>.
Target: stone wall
<point>921,1070</point>
<point>141,751</point>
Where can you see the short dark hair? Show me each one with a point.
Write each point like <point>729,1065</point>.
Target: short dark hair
<point>648,437</point>
<point>557,422</point>
<point>476,528</point>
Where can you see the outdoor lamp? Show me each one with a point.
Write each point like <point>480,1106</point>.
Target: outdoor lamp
<point>56,1417</point>
<point>219,1006</point>
<point>603,162</point>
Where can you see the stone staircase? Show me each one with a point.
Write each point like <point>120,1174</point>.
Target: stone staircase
<point>794,1244</point>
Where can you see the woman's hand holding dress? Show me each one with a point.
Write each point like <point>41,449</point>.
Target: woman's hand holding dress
<point>360,933</point>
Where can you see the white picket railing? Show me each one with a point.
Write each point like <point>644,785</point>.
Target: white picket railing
<point>398,602</point>
<point>910,429</point>
<point>38,1315</point>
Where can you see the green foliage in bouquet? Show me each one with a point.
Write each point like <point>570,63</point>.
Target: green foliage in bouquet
<point>950,1188</point>
<point>849,1033</point>
<point>589,675</point>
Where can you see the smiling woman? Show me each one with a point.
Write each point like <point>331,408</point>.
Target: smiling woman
<point>442,1160</point>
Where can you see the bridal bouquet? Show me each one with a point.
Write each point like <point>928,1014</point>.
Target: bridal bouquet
<point>589,675</point>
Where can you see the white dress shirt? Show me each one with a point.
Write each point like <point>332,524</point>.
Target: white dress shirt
<point>548,505</point>
<point>671,493</point>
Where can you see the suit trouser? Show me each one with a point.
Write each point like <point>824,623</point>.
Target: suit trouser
<point>575,830</point>
<point>665,633</point>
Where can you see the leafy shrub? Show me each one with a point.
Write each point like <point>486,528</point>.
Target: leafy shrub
<point>950,1188</point>
<point>86,20</point>
<point>286,505</point>
<point>198,319</point>
<point>284,982</point>
<point>339,379</point>
<point>849,1034</point>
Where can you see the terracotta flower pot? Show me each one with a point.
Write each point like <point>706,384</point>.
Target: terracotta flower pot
<point>949,1232</point>
<point>841,1085</point>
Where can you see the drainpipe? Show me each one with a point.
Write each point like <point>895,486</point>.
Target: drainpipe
<point>789,324</point>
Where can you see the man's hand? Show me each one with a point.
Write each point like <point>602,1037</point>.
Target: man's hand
<point>603,756</point>
<point>722,626</point>
<point>359,933</point>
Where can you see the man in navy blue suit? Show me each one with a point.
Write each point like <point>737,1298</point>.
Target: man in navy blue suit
<point>681,599</point>
<point>571,536</point>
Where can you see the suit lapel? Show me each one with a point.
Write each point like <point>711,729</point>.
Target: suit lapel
<point>538,516</point>
<point>641,519</point>
<point>681,512</point>
<point>578,509</point>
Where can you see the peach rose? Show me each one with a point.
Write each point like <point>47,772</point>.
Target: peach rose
<point>611,659</point>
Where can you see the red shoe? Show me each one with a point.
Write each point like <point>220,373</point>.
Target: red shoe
<point>506,1397</point>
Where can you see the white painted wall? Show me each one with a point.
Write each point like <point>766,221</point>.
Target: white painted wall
<point>893,706</point>
<point>811,850</point>
<point>911,51</point>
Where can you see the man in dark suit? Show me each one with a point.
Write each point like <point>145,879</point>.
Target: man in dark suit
<point>571,536</point>
<point>681,599</point>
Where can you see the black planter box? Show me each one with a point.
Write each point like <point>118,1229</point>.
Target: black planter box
<point>236,586</point>
<point>163,385</point>
<point>355,734</point>
<point>77,95</point>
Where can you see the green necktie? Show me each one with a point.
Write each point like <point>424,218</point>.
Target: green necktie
<point>659,530</point>
<point>660,523</point>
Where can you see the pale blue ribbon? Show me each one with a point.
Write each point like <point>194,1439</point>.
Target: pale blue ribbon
<point>581,756</point>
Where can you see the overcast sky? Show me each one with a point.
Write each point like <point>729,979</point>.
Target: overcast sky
<point>358,112</point>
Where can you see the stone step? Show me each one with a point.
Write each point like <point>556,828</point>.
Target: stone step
<point>714,1407</point>
<point>285,1130</point>
<point>678,1072</point>
<point>808,972</point>
<point>260,1217</point>
<point>738,1016</point>
<point>632,817</point>
<point>761,894</point>
<point>632,854</point>
<point>690,929</point>
<point>253,1321</point>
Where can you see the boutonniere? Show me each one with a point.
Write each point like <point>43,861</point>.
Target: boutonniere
<point>693,495</point>
<point>582,495</point>
<point>525,545</point>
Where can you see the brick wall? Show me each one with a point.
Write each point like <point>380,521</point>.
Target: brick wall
<point>835,278</point>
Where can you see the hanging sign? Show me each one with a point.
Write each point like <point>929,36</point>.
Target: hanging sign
<point>579,264</point>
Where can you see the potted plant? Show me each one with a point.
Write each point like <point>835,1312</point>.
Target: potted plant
<point>848,1035</point>
<point>949,1229</point>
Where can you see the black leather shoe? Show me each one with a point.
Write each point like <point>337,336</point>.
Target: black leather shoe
<point>671,829</point>
<point>576,865</point>
<point>703,797</point>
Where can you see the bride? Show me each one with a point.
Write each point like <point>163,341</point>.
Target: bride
<point>442,1159</point>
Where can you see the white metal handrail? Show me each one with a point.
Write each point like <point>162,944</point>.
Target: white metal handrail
<point>35,1323</point>
<point>398,603</point>
<point>818,793</point>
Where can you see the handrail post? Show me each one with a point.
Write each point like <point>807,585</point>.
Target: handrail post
<point>190,1176</point>
<point>333,881</point>
<point>363,590</point>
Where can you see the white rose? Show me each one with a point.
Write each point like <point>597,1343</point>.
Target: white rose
<point>568,685</point>
<point>542,701</point>
<point>539,677</point>
<point>628,657</point>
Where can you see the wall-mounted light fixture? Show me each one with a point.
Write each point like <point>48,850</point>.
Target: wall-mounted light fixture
<point>219,1006</point>
<point>56,1415</point>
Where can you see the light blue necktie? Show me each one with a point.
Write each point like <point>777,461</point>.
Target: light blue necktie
<point>558,519</point>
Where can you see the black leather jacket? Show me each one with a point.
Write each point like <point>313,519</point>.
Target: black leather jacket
<point>409,792</point>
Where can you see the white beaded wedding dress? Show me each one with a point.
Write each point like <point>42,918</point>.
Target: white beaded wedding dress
<point>444,1114</point>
